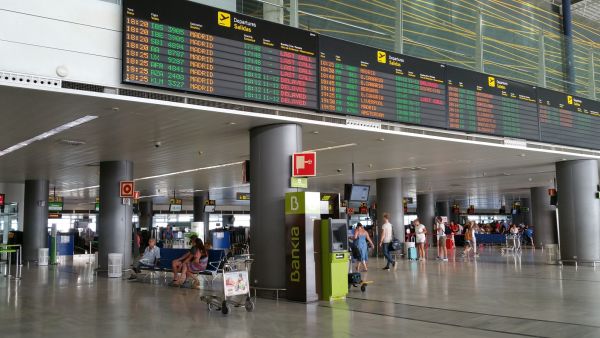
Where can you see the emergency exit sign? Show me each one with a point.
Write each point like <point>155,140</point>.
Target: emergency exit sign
<point>304,164</point>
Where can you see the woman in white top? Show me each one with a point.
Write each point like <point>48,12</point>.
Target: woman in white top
<point>440,228</point>
<point>421,233</point>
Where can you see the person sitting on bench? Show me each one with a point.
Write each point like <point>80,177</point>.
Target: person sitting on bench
<point>149,259</point>
<point>196,264</point>
<point>177,264</point>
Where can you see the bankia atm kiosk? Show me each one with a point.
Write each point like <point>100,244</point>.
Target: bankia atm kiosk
<point>334,259</point>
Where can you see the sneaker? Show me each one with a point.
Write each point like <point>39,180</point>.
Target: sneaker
<point>386,268</point>
<point>445,259</point>
<point>438,258</point>
<point>132,277</point>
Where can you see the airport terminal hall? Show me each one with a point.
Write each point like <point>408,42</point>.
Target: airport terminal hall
<point>299,168</point>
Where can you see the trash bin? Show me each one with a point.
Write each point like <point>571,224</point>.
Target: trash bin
<point>115,265</point>
<point>43,256</point>
<point>552,254</point>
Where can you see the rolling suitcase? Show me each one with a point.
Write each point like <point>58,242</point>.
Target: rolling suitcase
<point>412,253</point>
<point>449,243</point>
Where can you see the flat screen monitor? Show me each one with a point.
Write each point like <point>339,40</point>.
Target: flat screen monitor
<point>209,208</point>
<point>357,192</point>
<point>175,207</point>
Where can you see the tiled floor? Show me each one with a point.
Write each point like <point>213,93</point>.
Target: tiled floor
<point>493,296</point>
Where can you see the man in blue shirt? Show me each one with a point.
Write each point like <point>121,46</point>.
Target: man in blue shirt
<point>149,259</point>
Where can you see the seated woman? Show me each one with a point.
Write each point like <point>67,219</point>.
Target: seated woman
<point>177,264</point>
<point>197,263</point>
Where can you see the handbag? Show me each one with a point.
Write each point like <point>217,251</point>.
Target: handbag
<point>395,245</point>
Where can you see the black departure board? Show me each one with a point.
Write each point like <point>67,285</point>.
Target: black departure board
<point>488,104</point>
<point>190,47</point>
<point>568,120</point>
<point>369,82</point>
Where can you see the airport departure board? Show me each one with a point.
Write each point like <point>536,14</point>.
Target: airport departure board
<point>487,104</point>
<point>369,82</point>
<point>568,120</point>
<point>190,47</point>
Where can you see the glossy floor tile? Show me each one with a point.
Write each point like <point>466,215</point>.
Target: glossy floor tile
<point>491,296</point>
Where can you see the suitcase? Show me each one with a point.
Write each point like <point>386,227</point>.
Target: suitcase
<point>412,253</point>
<point>354,278</point>
<point>449,243</point>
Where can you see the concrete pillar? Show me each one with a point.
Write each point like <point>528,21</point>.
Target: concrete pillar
<point>271,148</point>
<point>146,214</point>
<point>579,210</point>
<point>543,217</point>
<point>389,200</point>
<point>442,208</point>
<point>199,215</point>
<point>426,213</point>
<point>35,228</point>
<point>114,220</point>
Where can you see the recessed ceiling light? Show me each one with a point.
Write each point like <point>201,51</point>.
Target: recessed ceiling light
<point>530,179</point>
<point>522,155</point>
<point>563,159</point>
<point>315,132</point>
<point>381,139</point>
<point>200,153</point>
<point>370,165</point>
<point>115,108</point>
<point>232,123</point>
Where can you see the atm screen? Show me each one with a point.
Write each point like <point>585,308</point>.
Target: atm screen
<point>339,236</point>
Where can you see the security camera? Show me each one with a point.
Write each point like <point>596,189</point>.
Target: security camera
<point>157,144</point>
<point>339,170</point>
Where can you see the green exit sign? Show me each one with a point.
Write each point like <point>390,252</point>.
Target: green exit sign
<point>299,182</point>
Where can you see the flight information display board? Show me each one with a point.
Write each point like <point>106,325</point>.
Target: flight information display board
<point>368,82</point>
<point>487,104</point>
<point>190,47</point>
<point>568,120</point>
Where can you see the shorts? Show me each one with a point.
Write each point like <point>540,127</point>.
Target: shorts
<point>441,239</point>
<point>421,239</point>
<point>468,242</point>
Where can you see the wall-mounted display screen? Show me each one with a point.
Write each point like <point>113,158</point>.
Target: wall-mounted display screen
<point>191,47</point>
<point>569,120</point>
<point>369,82</point>
<point>482,103</point>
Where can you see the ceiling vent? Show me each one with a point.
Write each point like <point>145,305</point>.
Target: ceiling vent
<point>73,143</point>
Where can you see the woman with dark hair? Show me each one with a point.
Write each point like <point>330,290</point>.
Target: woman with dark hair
<point>197,263</point>
<point>361,236</point>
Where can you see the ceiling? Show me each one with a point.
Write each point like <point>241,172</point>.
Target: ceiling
<point>589,9</point>
<point>210,146</point>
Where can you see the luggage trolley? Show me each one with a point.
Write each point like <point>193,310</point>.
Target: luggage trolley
<point>513,244</point>
<point>236,287</point>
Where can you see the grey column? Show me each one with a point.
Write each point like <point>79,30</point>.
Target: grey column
<point>442,208</point>
<point>426,213</point>
<point>35,218</point>
<point>389,200</point>
<point>114,220</point>
<point>526,216</point>
<point>578,209</point>
<point>543,217</point>
<point>146,214</point>
<point>199,215</point>
<point>271,148</point>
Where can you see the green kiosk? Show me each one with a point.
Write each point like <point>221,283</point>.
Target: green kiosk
<point>334,259</point>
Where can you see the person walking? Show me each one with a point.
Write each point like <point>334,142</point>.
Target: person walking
<point>361,237</point>
<point>440,228</point>
<point>475,230</point>
<point>386,239</point>
<point>421,237</point>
